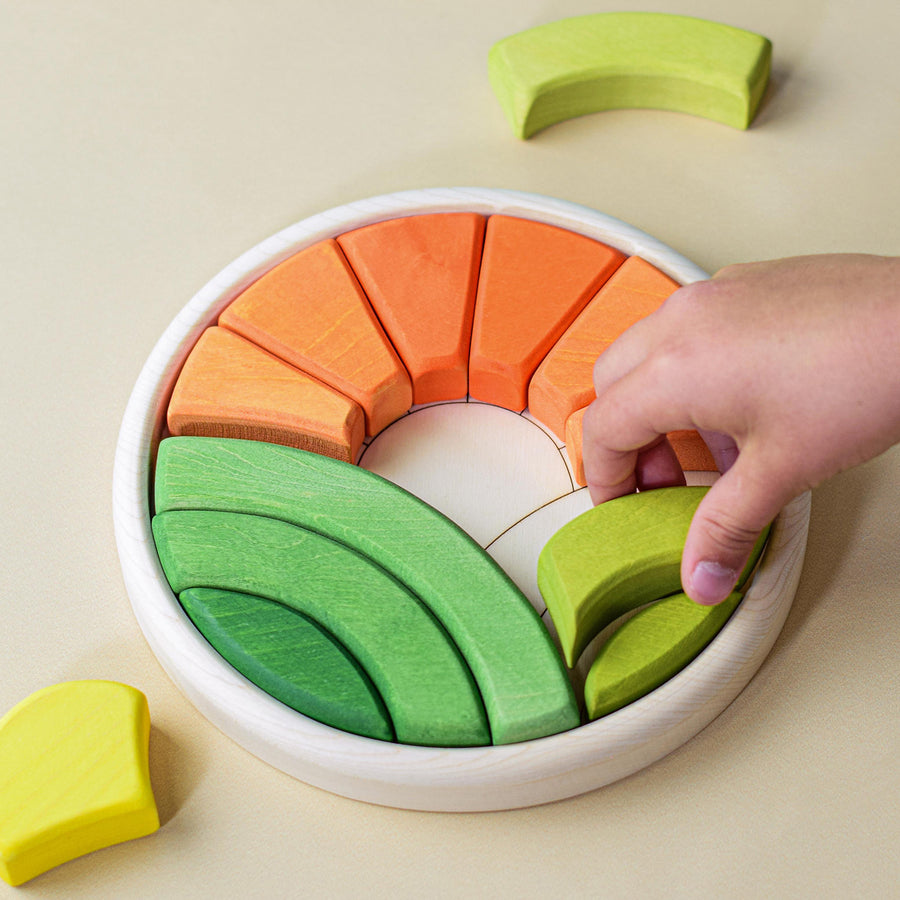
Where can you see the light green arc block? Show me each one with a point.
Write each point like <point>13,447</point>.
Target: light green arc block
<point>605,61</point>
<point>615,558</point>
<point>519,673</point>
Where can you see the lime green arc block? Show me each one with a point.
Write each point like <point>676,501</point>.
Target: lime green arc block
<point>425,684</point>
<point>652,646</point>
<point>520,675</point>
<point>291,658</point>
<point>616,557</point>
<point>606,61</point>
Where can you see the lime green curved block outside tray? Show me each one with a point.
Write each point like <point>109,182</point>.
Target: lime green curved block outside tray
<point>629,60</point>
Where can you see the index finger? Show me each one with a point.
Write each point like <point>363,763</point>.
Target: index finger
<point>627,420</point>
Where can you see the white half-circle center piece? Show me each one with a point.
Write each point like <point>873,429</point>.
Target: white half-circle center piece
<point>482,466</point>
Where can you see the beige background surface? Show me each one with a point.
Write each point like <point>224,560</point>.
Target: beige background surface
<point>145,145</point>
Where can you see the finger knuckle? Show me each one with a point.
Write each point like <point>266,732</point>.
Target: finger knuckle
<point>729,535</point>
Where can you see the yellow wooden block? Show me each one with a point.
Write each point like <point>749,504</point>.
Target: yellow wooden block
<point>73,775</point>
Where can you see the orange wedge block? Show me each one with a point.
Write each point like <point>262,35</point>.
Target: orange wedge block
<point>311,312</point>
<point>691,450</point>
<point>229,387</point>
<point>564,380</point>
<point>535,279</point>
<point>420,274</point>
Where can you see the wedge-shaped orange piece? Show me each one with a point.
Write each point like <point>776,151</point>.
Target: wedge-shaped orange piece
<point>229,387</point>
<point>564,380</point>
<point>689,447</point>
<point>535,279</point>
<point>311,312</point>
<point>692,452</point>
<point>74,775</point>
<point>420,274</point>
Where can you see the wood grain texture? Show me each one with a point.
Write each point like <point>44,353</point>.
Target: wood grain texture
<point>534,281</point>
<point>519,673</point>
<point>291,658</point>
<point>605,61</point>
<point>617,557</point>
<point>420,274</point>
<point>651,647</point>
<point>311,312</point>
<point>229,387</point>
<point>563,381</point>
<point>74,775</point>
<point>424,682</point>
<point>495,777</point>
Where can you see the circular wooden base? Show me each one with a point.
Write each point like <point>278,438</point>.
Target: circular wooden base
<point>470,779</point>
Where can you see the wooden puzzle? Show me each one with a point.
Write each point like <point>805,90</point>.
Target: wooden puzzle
<point>351,632</point>
<point>74,775</point>
<point>618,60</point>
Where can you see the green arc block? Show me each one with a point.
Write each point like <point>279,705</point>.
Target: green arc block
<point>620,60</point>
<point>520,675</point>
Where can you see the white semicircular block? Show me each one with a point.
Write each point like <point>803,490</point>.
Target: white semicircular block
<point>484,467</point>
<point>517,549</point>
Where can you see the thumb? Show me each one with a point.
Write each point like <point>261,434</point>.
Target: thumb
<point>725,528</point>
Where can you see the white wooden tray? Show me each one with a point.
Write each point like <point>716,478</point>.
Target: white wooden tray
<point>485,778</point>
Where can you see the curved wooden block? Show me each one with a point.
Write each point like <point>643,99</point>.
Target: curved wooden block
<point>535,279</point>
<point>616,557</point>
<point>604,61</point>
<point>652,646</point>
<point>420,274</point>
<point>290,657</point>
<point>73,775</point>
<point>691,450</point>
<point>518,670</point>
<point>229,387</point>
<point>311,312</point>
<point>417,669</point>
<point>564,380</point>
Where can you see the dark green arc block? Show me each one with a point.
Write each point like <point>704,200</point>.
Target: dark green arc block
<point>522,680</point>
<point>651,647</point>
<point>417,669</point>
<point>291,658</point>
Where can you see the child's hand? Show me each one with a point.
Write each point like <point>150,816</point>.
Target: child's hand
<point>791,371</point>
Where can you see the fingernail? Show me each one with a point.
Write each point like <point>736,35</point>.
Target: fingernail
<point>711,582</point>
